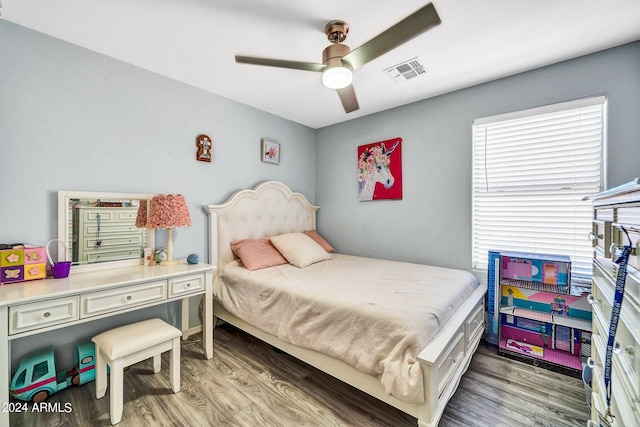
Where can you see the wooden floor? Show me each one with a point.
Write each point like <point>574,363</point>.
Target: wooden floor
<point>249,384</point>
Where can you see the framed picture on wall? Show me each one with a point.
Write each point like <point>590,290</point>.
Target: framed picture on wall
<point>270,151</point>
<point>380,170</point>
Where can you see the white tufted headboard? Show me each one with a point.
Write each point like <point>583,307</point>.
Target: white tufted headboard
<point>271,208</point>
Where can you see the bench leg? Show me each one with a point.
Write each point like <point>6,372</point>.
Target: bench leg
<point>174,369</point>
<point>116,391</point>
<point>157,363</point>
<point>101,374</point>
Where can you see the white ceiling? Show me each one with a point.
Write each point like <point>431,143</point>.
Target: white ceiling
<point>194,41</point>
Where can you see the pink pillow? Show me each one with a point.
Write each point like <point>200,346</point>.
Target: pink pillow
<point>319,240</point>
<point>257,253</point>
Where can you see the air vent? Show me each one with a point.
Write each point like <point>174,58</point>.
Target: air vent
<point>406,70</point>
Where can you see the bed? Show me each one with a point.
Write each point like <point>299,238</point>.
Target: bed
<point>419,382</point>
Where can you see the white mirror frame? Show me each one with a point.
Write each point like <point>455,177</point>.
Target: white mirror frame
<point>64,221</point>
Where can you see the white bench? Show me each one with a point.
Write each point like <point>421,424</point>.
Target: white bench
<point>124,346</point>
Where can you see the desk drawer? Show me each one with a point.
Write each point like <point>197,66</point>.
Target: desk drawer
<point>96,303</point>
<point>27,317</point>
<point>186,285</point>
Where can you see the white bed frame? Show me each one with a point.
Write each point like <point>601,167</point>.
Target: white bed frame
<point>271,208</point>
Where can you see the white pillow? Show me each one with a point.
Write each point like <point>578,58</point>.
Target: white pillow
<point>299,249</point>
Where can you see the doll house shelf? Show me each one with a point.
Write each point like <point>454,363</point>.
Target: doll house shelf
<point>541,322</point>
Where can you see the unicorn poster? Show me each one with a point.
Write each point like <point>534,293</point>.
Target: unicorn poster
<point>380,170</point>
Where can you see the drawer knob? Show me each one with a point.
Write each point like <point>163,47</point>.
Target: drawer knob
<point>46,314</point>
<point>593,236</point>
<point>619,349</point>
<point>454,360</point>
<point>128,298</point>
<point>593,300</point>
<point>188,285</point>
<point>616,249</point>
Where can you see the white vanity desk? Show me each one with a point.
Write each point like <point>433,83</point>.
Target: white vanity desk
<point>40,306</point>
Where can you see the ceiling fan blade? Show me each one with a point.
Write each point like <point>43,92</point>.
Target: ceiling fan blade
<point>348,98</point>
<point>296,65</point>
<point>410,27</point>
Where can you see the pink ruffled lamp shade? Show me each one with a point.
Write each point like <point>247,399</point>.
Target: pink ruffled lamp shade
<point>141,218</point>
<point>168,211</point>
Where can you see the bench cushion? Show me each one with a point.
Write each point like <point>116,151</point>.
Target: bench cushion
<point>125,340</point>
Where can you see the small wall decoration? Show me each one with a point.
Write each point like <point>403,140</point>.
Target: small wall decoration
<point>380,170</point>
<point>204,145</point>
<point>270,151</point>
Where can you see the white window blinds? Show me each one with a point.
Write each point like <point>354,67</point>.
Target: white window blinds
<point>531,172</point>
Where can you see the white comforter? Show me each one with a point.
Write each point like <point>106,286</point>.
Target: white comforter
<point>373,314</point>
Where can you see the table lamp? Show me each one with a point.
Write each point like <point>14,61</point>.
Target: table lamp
<point>141,218</point>
<point>168,211</point>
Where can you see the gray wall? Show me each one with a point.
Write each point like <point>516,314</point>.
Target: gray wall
<point>73,119</point>
<point>432,224</point>
<point>76,120</point>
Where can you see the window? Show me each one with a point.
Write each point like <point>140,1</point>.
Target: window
<point>533,172</point>
<point>20,379</point>
<point>40,370</point>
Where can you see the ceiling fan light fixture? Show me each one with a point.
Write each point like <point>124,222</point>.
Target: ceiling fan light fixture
<point>338,62</point>
<point>336,75</point>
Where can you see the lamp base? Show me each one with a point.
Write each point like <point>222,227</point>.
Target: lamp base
<point>171,262</point>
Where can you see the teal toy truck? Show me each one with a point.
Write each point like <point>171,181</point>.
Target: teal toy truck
<point>36,379</point>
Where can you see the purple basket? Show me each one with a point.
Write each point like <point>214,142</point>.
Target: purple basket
<point>59,269</point>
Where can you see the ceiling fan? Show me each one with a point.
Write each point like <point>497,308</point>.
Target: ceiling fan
<point>338,61</point>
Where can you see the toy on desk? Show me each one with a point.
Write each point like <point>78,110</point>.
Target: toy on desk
<point>36,378</point>
<point>160,255</point>
<point>19,262</point>
<point>193,259</point>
